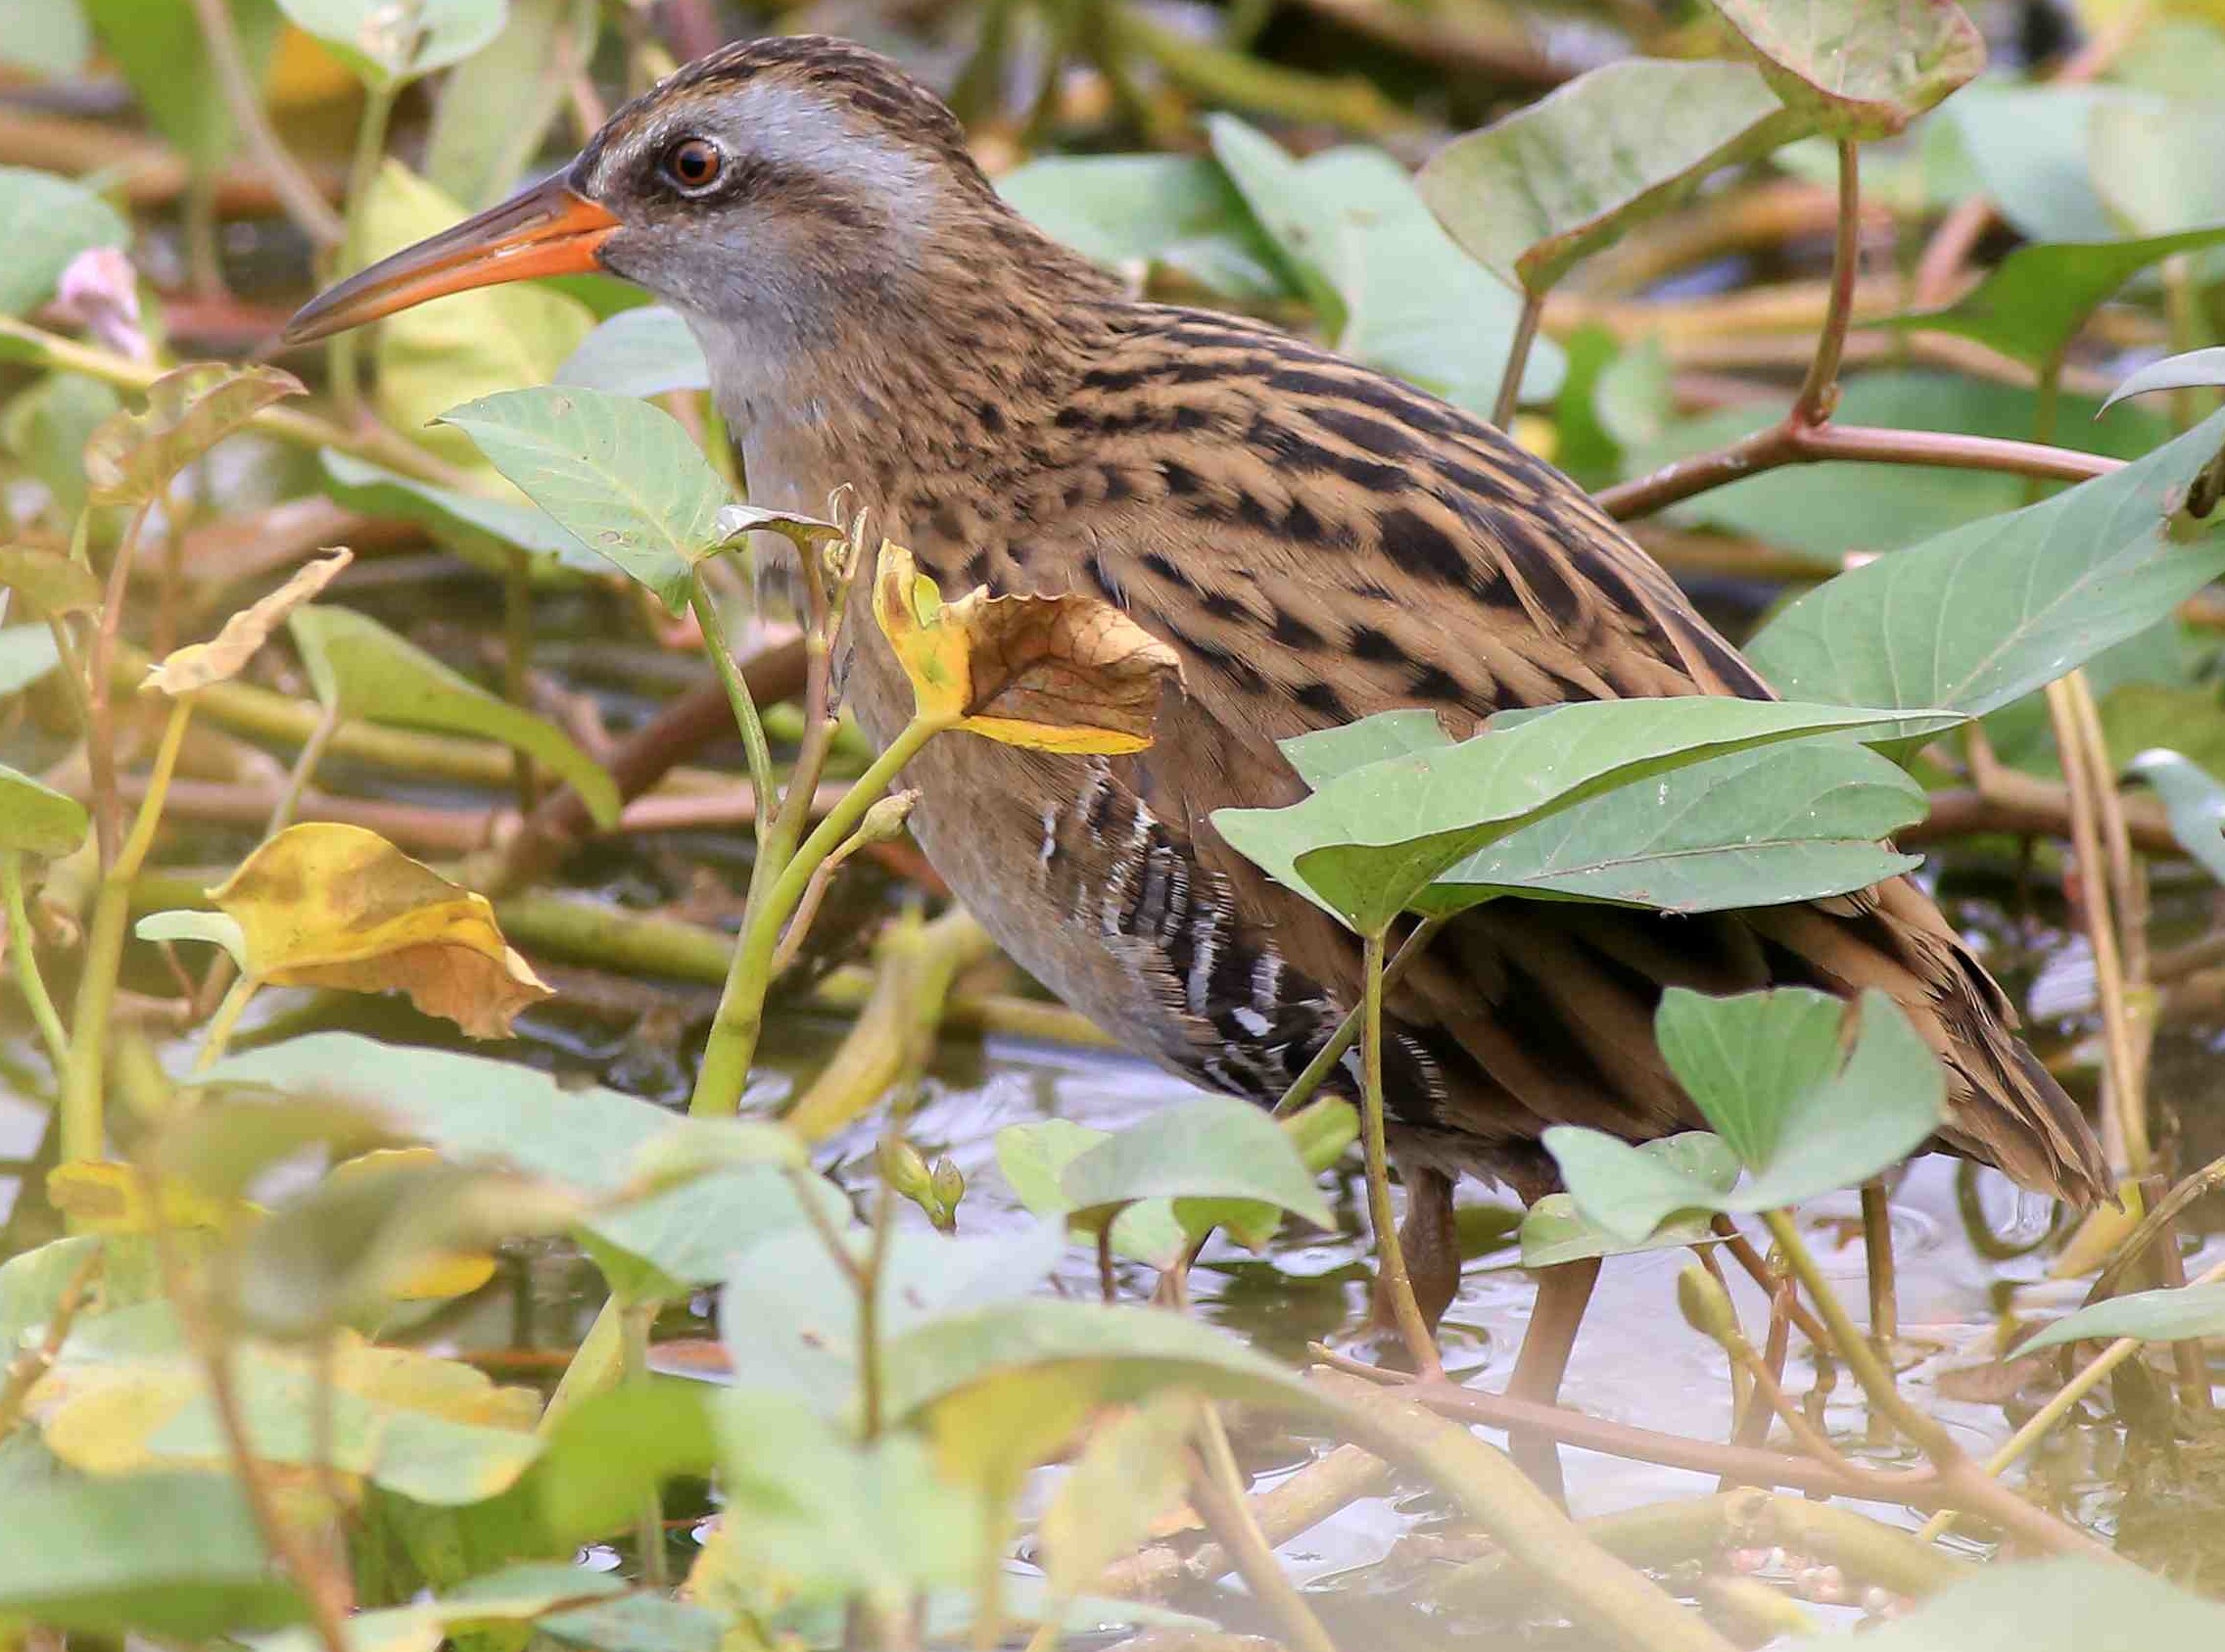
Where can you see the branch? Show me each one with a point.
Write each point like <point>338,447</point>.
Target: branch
<point>1786,444</point>
<point>300,197</point>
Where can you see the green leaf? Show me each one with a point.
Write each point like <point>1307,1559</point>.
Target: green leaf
<point>1129,1352</point>
<point>2189,369</point>
<point>172,1554</point>
<point>1367,844</point>
<point>1559,178</point>
<point>1860,68</point>
<point>1764,1069</point>
<point>1785,823</point>
<point>644,352</point>
<point>45,221</point>
<point>788,1314</point>
<point>831,1516</point>
<point>48,581</point>
<point>32,1282</point>
<point>157,46</point>
<point>1213,1148</point>
<point>1555,1231</point>
<point>36,818</point>
<point>481,530</point>
<point>2033,303</point>
<point>1034,1157</point>
<point>362,670</point>
<point>2154,1316</point>
<point>2029,145</point>
<point>434,355</point>
<point>1391,287</point>
<point>536,1594</point>
<point>1321,756</point>
<point>2065,1605</point>
<point>1180,212</point>
<point>607,1453</point>
<point>388,46</point>
<point>2154,164</point>
<point>218,928</point>
<point>2194,802</point>
<point>495,108</point>
<point>477,1110</point>
<point>1986,613</point>
<point>620,475</point>
<point>27,652</point>
<point>131,457</point>
<point>51,39</point>
<point>47,427</point>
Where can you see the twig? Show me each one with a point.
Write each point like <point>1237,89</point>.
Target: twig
<point>2037,1427</point>
<point>2123,1120</point>
<point>2129,897</point>
<point>1518,357</point>
<point>1283,1511</point>
<point>1785,444</point>
<point>1587,1583</point>
<point>303,201</point>
<point>23,939</point>
<point>23,1371</point>
<point>1216,1493</point>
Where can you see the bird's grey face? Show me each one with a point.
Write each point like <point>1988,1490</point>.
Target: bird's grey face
<point>769,210</point>
<point>779,197</point>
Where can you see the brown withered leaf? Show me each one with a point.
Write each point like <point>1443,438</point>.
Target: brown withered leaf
<point>130,457</point>
<point>197,665</point>
<point>1067,674</point>
<point>335,906</point>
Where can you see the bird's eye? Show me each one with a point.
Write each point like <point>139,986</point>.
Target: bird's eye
<point>693,164</point>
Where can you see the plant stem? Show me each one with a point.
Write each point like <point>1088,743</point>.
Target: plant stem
<point>362,174</point>
<point>303,771</point>
<point>300,199</point>
<point>84,1134</point>
<point>745,704</point>
<point>1819,392</point>
<point>1216,1489</point>
<point>732,1043</point>
<point>20,939</point>
<point>1421,1345</point>
<point>223,1022</point>
<point>635,1321</point>
<point>517,663</point>
<point>288,424</point>
<point>1518,357</point>
<point>2037,1426</point>
<point>100,684</point>
<point>1326,1058</point>
<point>1785,443</point>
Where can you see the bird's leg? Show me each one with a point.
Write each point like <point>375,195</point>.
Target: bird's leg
<point>1564,1291</point>
<point>1432,1248</point>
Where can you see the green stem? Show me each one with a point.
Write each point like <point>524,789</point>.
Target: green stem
<point>732,1043</point>
<point>288,424</point>
<point>635,1321</point>
<point>27,977</point>
<point>1518,357</point>
<point>1421,1345</point>
<point>363,176</point>
<point>744,704</point>
<point>1326,1058</point>
<point>221,1024</point>
<point>83,1131</point>
<point>517,662</point>
<point>303,771</point>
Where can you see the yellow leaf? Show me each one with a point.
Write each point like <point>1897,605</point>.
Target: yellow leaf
<point>456,1273</point>
<point>1131,1472</point>
<point>106,1197</point>
<point>1065,674</point>
<point>197,665</point>
<point>335,906</point>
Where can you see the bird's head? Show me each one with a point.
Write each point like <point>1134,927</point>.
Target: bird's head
<point>779,190</point>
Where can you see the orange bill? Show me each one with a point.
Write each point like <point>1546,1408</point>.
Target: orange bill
<point>550,229</point>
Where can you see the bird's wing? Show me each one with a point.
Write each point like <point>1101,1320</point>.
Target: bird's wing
<point>1321,543</point>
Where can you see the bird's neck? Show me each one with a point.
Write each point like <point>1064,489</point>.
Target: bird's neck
<point>937,376</point>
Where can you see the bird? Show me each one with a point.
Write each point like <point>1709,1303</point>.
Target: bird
<point>1316,540</point>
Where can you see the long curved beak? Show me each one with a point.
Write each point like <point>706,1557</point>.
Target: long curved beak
<point>551,229</point>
